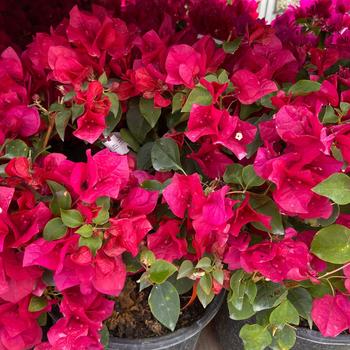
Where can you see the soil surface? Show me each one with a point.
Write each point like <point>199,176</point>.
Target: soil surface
<point>132,317</point>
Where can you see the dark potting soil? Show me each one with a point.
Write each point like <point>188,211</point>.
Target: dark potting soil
<point>132,317</point>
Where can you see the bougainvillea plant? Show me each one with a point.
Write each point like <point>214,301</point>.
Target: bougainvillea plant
<point>175,141</point>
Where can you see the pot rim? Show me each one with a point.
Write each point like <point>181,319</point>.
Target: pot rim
<point>317,338</point>
<point>182,334</point>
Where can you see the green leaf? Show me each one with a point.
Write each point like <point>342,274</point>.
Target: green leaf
<point>85,231</point>
<point>143,157</point>
<point>205,283</point>
<point>103,79</point>
<point>204,264</point>
<point>149,112</point>
<point>61,122</point>
<point>255,337</point>
<point>304,87</point>
<point>165,155</point>
<point>61,197</point>
<point>103,202</point>
<point>111,123</point>
<point>93,243</point>
<point>284,313</point>
<point>233,174</point>
<point>329,116</point>
<point>244,312</point>
<point>186,269</point>
<point>16,148</point>
<point>37,304</point>
<point>332,244</point>
<point>137,124</point>
<point>284,339</point>
<point>161,270</point>
<point>77,110</point>
<point>68,96</point>
<point>129,139</point>
<point>204,298</point>
<point>265,205</point>
<point>104,337</point>
<point>182,285</point>
<point>147,257</point>
<point>200,96</point>
<point>152,185</point>
<point>218,275</point>
<point>269,295</point>
<point>250,178</point>
<point>344,107</point>
<point>302,301</point>
<point>54,229</point>
<point>102,217</point>
<point>232,46</point>
<point>115,105</point>
<point>132,263</point>
<point>178,101</point>
<point>72,218</point>
<point>336,187</point>
<point>164,302</point>
<point>223,77</point>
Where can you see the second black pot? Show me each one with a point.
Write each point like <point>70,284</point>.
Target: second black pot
<point>182,339</point>
<point>228,335</point>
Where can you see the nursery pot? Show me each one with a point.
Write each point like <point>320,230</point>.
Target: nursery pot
<point>182,339</point>
<point>307,339</point>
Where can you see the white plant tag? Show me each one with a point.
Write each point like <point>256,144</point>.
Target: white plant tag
<point>116,144</point>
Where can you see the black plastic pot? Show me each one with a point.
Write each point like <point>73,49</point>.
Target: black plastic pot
<point>228,335</point>
<point>182,339</point>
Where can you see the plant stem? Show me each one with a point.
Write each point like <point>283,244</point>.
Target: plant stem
<point>49,130</point>
<point>334,271</point>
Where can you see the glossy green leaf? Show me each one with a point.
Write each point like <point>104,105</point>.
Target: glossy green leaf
<point>178,101</point>
<point>304,87</point>
<point>102,217</point>
<point>302,301</point>
<point>265,205</point>
<point>115,105</point>
<point>72,218</point>
<point>165,155</point>
<point>129,139</point>
<point>336,187</point>
<point>233,174</point>
<point>244,312</point>
<point>85,231</point>
<point>37,303</point>
<point>284,313</point>
<point>161,270</point>
<point>164,303</point>
<point>93,243</point>
<point>16,148</point>
<point>149,112</point>
<point>54,229</point>
<point>332,244</point>
<point>61,122</point>
<point>200,96</point>
<point>205,283</point>
<point>204,298</point>
<point>61,197</point>
<point>255,337</point>
<point>137,124</point>
<point>186,269</point>
<point>250,178</point>
<point>269,295</point>
<point>284,339</point>
<point>231,46</point>
<point>143,157</point>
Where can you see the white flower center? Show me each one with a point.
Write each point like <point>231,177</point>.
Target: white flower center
<point>239,136</point>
